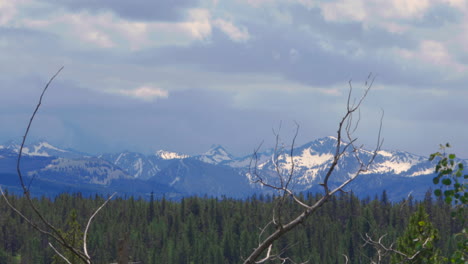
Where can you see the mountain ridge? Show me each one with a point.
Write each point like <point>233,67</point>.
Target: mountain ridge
<point>184,174</point>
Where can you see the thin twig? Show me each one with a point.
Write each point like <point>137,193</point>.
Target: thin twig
<point>58,253</point>
<point>85,249</point>
<point>347,126</point>
<point>18,169</point>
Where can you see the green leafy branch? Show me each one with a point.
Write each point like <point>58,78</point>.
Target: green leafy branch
<point>452,188</point>
<point>450,176</point>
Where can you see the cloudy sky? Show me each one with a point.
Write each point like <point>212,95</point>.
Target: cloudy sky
<point>184,74</point>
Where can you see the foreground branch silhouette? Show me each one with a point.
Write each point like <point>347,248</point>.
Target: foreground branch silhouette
<point>346,128</point>
<point>42,225</point>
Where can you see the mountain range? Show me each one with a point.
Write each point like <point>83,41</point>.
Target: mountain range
<point>50,170</point>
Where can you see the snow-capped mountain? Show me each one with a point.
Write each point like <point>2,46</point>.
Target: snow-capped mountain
<point>41,149</point>
<point>312,161</point>
<point>194,177</point>
<point>217,172</point>
<point>136,164</point>
<point>142,166</point>
<point>215,155</point>
<point>80,171</point>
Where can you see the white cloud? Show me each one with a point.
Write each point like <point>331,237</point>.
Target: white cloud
<point>7,11</point>
<point>83,27</point>
<point>404,8</point>
<point>460,4</point>
<point>434,54</point>
<point>146,93</point>
<point>107,30</point>
<point>371,13</point>
<point>341,11</point>
<point>199,24</point>
<point>258,3</point>
<point>238,34</point>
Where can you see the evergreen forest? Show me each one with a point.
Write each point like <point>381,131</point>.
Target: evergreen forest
<point>217,230</point>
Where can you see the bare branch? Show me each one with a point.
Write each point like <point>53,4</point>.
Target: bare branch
<point>85,248</point>
<point>383,250</point>
<point>346,127</point>
<point>18,169</point>
<point>346,258</point>
<point>34,225</point>
<point>49,230</point>
<point>267,257</point>
<point>55,233</point>
<point>58,253</point>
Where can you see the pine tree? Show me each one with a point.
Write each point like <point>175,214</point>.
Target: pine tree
<point>74,236</point>
<point>418,241</point>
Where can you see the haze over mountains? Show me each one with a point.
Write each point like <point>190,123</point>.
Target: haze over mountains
<point>213,173</point>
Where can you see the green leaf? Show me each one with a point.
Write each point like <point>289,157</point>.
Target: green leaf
<point>435,180</point>
<point>446,181</point>
<point>460,166</point>
<point>437,192</point>
<point>444,162</point>
<point>464,200</point>
<point>452,156</point>
<point>448,199</point>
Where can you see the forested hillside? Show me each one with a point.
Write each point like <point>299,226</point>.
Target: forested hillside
<point>210,230</point>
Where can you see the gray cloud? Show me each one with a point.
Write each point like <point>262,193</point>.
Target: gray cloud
<point>440,15</point>
<point>222,91</point>
<point>187,121</point>
<point>313,66</point>
<point>160,10</point>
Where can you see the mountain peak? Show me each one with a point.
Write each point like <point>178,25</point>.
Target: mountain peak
<point>216,147</point>
<point>324,144</point>
<point>216,154</point>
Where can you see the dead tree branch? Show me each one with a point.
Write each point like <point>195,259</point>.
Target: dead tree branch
<point>346,128</point>
<point>383,251</point>
<point>43,226</point>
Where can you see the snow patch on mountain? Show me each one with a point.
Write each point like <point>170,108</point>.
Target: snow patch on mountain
<point>36,153</point>
<point>41,149</point>
<point>168,155</point>
<point>118,158</point>
<point>174,181</point>
<point>44,149</point>
<point>423,172</point>
<point>309,158</point>
<point>138,166</point>
<point>396,167</point>
<point>91,170</point>
<point>384,153</point>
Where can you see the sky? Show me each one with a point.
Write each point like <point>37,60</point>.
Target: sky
<point>182,75</point>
